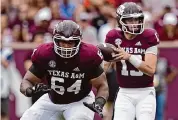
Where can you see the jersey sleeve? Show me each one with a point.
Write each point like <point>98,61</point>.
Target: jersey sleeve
<point>98,57</point>
<point>153,38</point>
<point>152,50</point>
<point>36,56</point>
<point>37,62</point>
<point>96,69</point>
<point>153,41</point>
<point>110,37</point>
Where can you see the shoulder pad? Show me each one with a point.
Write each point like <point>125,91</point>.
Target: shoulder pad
<point>149,32</point>
<point>91,53</point>
<point>112,35</point>
<point>151,36</point>
<point>41,52</point>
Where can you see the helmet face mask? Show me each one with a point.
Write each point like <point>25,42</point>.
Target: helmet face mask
<point>133,24</point>
<point>66,52</point>
<point>130,18</point>
<point>67,33</point>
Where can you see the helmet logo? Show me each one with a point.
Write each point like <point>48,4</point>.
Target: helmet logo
<point>120,10</point>
<point>52,63</point>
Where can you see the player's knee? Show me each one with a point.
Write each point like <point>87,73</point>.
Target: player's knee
<point>147,112</point>
<point>147,108</point>
<point>31,115</point>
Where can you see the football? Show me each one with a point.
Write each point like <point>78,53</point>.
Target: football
<point>106,50</point>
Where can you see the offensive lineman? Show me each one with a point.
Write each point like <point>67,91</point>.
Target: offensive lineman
<point>71,68</point>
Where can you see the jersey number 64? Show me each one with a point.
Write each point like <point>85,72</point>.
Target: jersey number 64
<point>75,87</point>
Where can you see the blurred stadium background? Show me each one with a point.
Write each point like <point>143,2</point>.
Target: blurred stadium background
<point>27,23</point>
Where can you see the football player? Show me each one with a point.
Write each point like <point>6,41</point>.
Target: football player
<point>135,57</point>
<point>71,68</point>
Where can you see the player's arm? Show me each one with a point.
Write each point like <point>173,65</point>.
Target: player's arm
<point>100,83</point>
<point>98,76</point>
<point>30,84</point>
<point>147,66</point>
<point>108,65</point>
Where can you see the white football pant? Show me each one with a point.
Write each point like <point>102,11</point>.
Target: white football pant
<point>135,102</point>
<point>44,109</point>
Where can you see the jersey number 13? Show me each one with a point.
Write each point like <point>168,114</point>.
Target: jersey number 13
<point>126,72</point>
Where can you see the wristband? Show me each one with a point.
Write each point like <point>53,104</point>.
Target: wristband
<point>135,61</point>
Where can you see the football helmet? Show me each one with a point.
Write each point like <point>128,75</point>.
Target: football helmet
<point>67,31</point>
<point>133,13</point>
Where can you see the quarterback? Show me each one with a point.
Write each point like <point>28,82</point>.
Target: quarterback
<point>136,58</point>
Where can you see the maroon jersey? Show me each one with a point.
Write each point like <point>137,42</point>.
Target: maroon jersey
<point>68,78</point>
<point>128,76</point>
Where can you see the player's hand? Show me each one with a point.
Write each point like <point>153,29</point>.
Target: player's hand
<point>37,89</point>
<point>120,54</point>
<point>96,106</point>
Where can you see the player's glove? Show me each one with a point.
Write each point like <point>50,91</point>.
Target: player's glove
<point>37,89</point>
<point>96,106</point>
